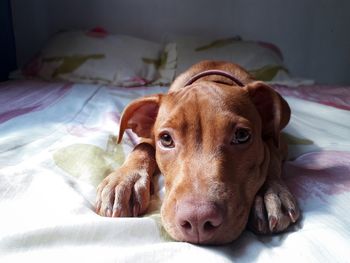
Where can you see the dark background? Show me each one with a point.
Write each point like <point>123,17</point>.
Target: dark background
<point>314,35</point>
<point>7,42</point>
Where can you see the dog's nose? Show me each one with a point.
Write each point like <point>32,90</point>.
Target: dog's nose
<point>198,221</point>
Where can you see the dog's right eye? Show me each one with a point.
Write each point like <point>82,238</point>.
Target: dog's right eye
<point>241,136</point>
<point>166,140</point>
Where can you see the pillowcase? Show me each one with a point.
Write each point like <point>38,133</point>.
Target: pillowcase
<point>165,65</point>
<point>98,57</point>
<point>263,60</point>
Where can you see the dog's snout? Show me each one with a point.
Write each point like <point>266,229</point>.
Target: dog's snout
<point>198,221</point>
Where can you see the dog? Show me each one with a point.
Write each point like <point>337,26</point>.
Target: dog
<point>215,137</point>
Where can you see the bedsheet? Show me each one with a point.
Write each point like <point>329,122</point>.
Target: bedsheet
<point>57,142</point>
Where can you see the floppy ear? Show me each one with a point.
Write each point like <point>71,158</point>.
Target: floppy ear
<point>140,116</point>
<point>273,109</point>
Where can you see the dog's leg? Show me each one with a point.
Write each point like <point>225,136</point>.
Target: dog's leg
<point>126,191</point>
<point>274,207</point>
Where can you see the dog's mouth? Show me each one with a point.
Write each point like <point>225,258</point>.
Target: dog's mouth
<point>214,236</point>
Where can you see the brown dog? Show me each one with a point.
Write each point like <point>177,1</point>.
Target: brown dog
<point>216,139</point>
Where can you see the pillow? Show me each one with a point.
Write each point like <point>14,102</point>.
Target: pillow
<point>263,60</point>
<point>98,57</point>
<point>165,65</point>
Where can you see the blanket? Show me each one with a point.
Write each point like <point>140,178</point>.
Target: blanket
<point>58,141</point>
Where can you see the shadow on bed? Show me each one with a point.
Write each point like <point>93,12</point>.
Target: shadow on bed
<point>318,179</point>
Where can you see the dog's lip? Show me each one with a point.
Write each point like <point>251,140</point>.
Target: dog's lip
<point>212,241</point>
<point>197,240</point>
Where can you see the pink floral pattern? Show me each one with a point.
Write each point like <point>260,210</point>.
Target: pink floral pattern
<point>97,32</point>
<point>319,174</point>
<point>22,97</point>
<point>334,96</point>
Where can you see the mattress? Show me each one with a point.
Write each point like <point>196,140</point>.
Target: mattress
<point>58,141</point>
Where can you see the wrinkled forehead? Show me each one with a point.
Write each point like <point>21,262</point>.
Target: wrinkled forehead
<point>208,101</point>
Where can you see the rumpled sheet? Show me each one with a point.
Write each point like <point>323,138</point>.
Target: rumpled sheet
<point>57,142</point>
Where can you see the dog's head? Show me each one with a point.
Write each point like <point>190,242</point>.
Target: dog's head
<point>210,146</point>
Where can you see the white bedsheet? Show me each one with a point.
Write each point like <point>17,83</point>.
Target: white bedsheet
<point>56,146</point>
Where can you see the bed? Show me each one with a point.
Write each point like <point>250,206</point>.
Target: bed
<point>58,141</point>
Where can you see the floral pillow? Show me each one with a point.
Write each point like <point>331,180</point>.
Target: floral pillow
<point>98,57</point>
<point>263,60</point>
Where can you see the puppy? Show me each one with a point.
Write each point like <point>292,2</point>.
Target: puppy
<point>215,136</point>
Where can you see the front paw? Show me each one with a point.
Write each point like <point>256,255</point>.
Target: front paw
<point>124,193</point>
<point>274,208</point>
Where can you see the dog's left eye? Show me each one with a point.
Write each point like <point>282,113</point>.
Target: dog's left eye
<point>241,136</point>
<point>166,140</point>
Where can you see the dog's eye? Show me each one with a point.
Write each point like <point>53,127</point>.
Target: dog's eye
<point>241,136</point>
<point>166,140</point>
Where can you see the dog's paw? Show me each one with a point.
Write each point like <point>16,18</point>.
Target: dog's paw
<point>274,209</point>
<point>124,194</point>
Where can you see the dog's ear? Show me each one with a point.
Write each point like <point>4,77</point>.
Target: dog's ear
<point>139,116</point>
<point>273,109</point>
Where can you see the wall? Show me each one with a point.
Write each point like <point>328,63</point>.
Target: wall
<point>7,43</point>
<point>313,34</point>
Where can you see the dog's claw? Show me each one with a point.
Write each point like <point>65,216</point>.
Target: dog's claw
<point>108,212</point>
<point>97,206</point>
<point>136,209</point>
<point>278,209</point>
<point>292,215</point>
<point>260,225</point>
<point>272,223</point>
<point>116,213</point>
